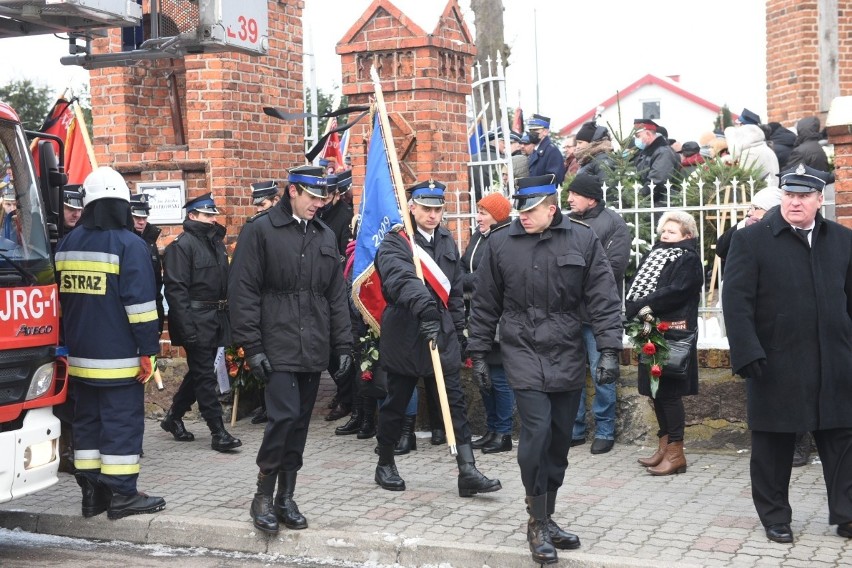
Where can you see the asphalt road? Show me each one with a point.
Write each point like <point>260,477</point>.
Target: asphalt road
<point>19,549</point>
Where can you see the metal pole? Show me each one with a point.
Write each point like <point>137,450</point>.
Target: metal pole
<point>535,39</point>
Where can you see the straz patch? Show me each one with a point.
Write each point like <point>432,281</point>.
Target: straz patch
<point>82,282</point>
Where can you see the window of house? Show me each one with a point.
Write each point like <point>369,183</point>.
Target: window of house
<point>651,110</point>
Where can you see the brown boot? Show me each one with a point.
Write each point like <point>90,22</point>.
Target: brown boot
<point>673,461</point>
<point>657,456</point>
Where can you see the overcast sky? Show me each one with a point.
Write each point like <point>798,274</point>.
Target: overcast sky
<point>586,50</point>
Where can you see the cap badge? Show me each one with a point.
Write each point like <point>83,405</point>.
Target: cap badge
<point>800,170</point>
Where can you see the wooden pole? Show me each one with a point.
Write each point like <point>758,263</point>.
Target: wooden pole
<point>406,219</point>
<point>234,408</point>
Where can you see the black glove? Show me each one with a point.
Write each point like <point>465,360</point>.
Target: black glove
<point>344,367</point>
<point>481,374</point>
<point>608,368</point>
<point>753,370</point>
<point>430,325</point>
<point>260,366</point>
<point>463,348</point>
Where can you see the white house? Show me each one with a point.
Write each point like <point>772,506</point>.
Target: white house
<point>685,115</point>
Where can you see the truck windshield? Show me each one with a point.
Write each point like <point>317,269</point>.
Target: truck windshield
<point>24,245</point>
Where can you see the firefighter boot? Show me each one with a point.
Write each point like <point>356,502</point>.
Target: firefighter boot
<point>96,496</point>
<point>471,481</point>
<point>174,425</point>
<point>387,475</point>
<point>262,510</point>
<point>408,441</point>
<point>541,545</point>
<point>368,420</point>
<point>121,506</point>
<point>285,508</point>
<point>222,441</point>
<point>561,539</point>
<point>354,423</point>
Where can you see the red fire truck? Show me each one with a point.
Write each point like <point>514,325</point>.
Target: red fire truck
<point>33,370</point>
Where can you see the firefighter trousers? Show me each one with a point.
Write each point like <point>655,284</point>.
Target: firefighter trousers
<point>109,422</point>
<point>290,399</point>
<point>199,384</point>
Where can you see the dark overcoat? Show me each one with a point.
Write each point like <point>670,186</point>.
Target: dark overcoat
<point>401,349</point>
<point>547,159</point>
<point>792,305</point>
<point>287,294</point>
<point>533,286</point>
<point>195,269</point>
<point>675,299</point>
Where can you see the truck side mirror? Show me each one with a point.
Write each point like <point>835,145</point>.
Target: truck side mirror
<point>51,180</point>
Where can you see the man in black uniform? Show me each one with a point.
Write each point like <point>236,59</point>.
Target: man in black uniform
<point>264,194</point>
<point>196,280</point>
<point>337,214</point>
<point>139,209</point>
<point>417,315</point>
<point>289,314</point>
<point>533,279</point>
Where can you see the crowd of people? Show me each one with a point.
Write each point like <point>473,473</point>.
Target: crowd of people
<point>532,305</point>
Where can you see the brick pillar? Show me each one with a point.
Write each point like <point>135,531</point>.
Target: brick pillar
<point>839,127</point>
<point>229,141</point>
<point>425,76</point>
<point>806,65</point>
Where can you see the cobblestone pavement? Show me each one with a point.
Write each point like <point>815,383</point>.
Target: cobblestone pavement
<point>623,516</point>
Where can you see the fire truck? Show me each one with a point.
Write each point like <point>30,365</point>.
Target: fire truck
<point>33,369</point>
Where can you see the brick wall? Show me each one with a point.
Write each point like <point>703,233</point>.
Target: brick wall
<point>425,75</point>
<point>229,142</point>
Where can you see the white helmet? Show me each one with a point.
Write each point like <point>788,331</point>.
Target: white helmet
<point>104,183</point>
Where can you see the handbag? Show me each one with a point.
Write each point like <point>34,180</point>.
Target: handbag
<point>681,348</point>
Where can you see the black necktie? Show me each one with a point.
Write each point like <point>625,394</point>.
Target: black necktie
<point>804,234</point>
<point>303,225</point>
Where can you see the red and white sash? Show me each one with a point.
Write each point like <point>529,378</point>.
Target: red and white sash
<point>434,276</point>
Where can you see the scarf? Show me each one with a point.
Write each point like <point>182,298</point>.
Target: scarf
<point>646,279</point>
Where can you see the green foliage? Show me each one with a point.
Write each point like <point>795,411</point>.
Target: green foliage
<point>724,119</point>
<point>32,102</point>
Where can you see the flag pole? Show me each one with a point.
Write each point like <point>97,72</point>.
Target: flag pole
<point>390,147</point>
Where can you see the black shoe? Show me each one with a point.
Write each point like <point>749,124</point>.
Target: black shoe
<point>780,533</point>
<point>333,403</point>
<point>471,481</point>
<point>221,440</point>
<point>262,511</point>
<point>260,417</point>
<point>368,424</point>
<point>438,437</point>
<point>577,441</point>
<point>285,508</point>
<point>538,533</point>
<point>500,443</point>
<point>408,440</point>
<point>174,425</point>
<point>563,540</point>
<point>352,426</point>
<point>802,453</point>
<point>121,506</point>
<point>845,530</point>
<point>387,475</point>
<point>601,446</point>
<point>339,412</point>
<point>96,496</point>
<point>483,441</point>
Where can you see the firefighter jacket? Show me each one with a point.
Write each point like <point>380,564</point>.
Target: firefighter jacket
<point>195,274</point>
<point>150,236</point>
<point>109,310</point>
<point>287,293</point>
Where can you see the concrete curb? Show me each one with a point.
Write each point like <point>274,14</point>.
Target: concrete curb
<point>371,549</point>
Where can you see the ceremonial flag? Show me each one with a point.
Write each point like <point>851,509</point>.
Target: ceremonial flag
<point>344,145</point>
<point>379,215</point>
<point>65,121</point>
<point>518,120</point>
<point>332,145</point>
<point>475,134</point>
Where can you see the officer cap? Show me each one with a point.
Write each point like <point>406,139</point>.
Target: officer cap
<point>525,139</point>
<point>538,121</point>
<point>803,179</point>
<point>428,193</point>
<point>645,124</point>
<point>340,182</point>
<point>311,179</point>
<point>72,197</point>
<point>202,204</point>
<point>533,190</point>
<point>139,206</point>
<point>748,117</point>
<point>263,190</point>
<point>8,191</point>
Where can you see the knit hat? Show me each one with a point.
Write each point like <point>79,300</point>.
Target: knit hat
<point>587,186</point>
<point>767,198</point>
<point>586,132</point>
<point>497,206</point>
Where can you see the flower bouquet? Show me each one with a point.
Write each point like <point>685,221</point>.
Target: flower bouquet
<point>646,336</point>
<point>373,379</point>
<point>242,378</point>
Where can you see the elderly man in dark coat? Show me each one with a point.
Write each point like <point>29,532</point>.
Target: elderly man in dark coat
<point>788,310</point>
<point>533,279</point>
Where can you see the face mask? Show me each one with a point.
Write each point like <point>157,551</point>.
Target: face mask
<point>639,143</point>
<point>534,137</point>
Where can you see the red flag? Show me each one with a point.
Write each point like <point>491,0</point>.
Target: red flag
<point>62,122</point>
<point>518,120</point>
<point>332,145</point>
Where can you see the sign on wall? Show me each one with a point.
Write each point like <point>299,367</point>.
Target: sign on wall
<point>167,199</point>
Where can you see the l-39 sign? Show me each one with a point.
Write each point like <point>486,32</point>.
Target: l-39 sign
<point>246,24</point>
